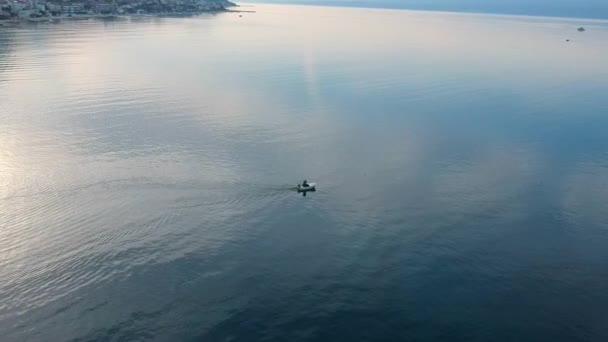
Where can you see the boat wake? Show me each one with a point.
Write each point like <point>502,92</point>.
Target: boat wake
<point>245,194</point>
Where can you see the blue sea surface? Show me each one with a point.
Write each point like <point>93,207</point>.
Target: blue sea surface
<point>597,9</point>
<point>148,170</point>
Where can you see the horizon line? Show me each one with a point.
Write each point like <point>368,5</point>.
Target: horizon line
<point>428,10</point>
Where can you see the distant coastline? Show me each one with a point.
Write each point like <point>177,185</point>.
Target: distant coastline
<point>15,11</point>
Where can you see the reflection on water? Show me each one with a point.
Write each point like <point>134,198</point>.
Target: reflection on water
<point>147,170</point>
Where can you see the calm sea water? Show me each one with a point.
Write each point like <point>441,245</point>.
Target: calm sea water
<point>147,169</point>
<point>557,8</point>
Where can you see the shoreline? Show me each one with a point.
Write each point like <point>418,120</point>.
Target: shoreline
<point>29,11</point>
<point>79,17</point>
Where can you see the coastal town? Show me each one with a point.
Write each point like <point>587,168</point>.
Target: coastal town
<point>40,10</point>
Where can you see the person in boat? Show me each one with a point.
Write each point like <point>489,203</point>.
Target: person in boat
<point>305,184</point>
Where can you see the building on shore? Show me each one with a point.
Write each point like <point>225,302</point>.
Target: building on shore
<point>73,8</point>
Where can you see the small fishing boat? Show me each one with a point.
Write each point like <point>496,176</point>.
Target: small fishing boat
<point>307,187</point>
